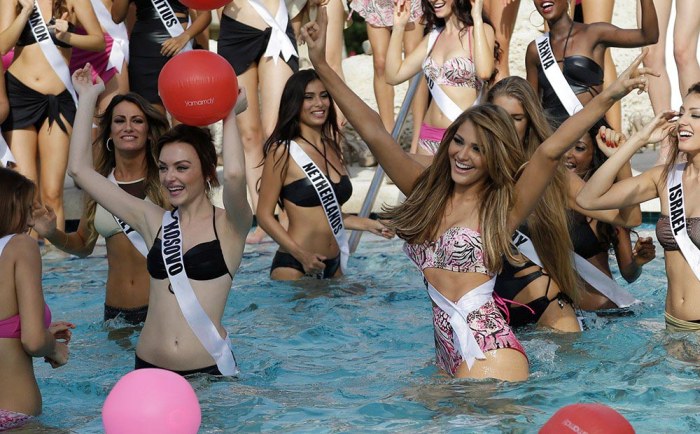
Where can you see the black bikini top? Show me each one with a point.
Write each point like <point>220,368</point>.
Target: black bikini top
<point>582,73</point>
<point>205,261</point>
<point>302,192</point>
<point>586,244</point>
<point>27,37</point>
<point>145,10</point>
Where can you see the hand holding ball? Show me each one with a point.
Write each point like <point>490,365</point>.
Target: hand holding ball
<point>198,87</point>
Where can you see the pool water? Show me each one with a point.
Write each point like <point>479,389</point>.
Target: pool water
<point>357,355</point>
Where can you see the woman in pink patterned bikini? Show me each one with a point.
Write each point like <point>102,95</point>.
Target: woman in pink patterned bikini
<point>461,208</point>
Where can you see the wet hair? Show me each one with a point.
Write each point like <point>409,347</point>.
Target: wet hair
<point>288,125</point>
<point>549,223</point>
<point>417,219</point>
<point>674,155</point>
<point>200,139</point>
<point>105,159</point>
<point>15,202</point>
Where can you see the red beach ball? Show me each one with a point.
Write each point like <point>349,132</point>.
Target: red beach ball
<point>204,5</point>
<point>588,418</point>
<point>198,87</point>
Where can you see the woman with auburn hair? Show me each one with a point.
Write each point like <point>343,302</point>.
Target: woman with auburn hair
<point>125,153</point>
<point>676,185</point>
<point>26,330</point>
<point>461,209</point>
<point>201,244</point>
<point>308,132</point>
<point>42,102</point>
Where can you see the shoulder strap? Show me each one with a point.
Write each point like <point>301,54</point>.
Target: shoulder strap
<point>4,240</point>
<point>555,76</point>
<point>133,236</point>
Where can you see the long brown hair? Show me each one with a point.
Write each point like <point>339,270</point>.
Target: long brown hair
<point>548,224</point>
<point>105,159</point>
<point>15,201</point>
<point>674,154</point>
<point>417,219</point>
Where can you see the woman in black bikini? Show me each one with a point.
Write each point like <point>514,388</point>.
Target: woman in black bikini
<point>202,244</point>
<point>579,50</point>
<point>307,121</point>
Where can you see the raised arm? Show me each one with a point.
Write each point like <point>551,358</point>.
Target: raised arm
<point>397,69</point>
<point>484,40</point>
<point>602,192</point>
<point>93,40</point>
<point>613,36</point>
<point>234,193</point>
<point>12,23</point>
<point>134,211</point>
<point>616,216</point>
<point>401,168</point>
<point>76,243</point>
<point>539,170</point>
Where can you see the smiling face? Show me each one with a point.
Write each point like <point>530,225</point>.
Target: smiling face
<point>579,158</point>
<point>129,127</point>
<point>317,101</point>
<point>442,8</point>
<point>467,165</point>
<point>180,173</point>
<point>516,112</point>
<point>689,124</point>
<point>551,9</point>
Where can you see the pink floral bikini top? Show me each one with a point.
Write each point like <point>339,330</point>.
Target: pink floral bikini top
<point>455,72</point>
<point>457,249</point>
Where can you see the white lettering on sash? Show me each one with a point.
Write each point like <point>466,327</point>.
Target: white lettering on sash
<point>676,208</point>
<point>170,21</point>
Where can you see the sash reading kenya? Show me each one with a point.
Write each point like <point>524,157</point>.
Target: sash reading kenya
<point>676,216</point>
<point>53,56</point>
<point>133,236</point>
<point>198,320</point>
<point>555,76</point>
<point>170,21</point>
<point>326,195</point>
<point>588,272</point>
<point>448,107</point>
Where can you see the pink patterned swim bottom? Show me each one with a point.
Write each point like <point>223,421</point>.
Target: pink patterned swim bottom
<point>490,330</point>
<point>10,419</point>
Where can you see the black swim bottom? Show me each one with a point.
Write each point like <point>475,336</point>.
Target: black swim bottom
<point>284,259</point>
<point>31,108</point>
<point>243,45</point>
<point>210,370</point>
<point>133,316</point>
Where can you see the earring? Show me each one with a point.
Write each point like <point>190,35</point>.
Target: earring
<point>109,139</point>
<point>537,26</point>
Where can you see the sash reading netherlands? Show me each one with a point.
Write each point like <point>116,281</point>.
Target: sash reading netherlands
<point>326,194</point>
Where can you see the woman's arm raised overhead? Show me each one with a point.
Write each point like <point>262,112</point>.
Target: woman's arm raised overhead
<point>613,36</point>
<point>539,170</point>
<point>401,168</point>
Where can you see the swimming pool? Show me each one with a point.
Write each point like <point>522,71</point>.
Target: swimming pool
<point>358,356</point>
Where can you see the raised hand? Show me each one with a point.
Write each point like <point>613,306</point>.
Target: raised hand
<point>644,251</point>
<point>60,27</point>
<point>44,220</point>
<point>314,34</point>
<point>659,128</point>
<point>632,78</point>
<point>608,140</point>
<point>402,12</point>
<point>83,83</point>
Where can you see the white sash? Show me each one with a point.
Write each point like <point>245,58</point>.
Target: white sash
<point>676,216</point>
<point>200,323</point>
<point>5,154</point>
<point>43,38</point>
<point>279,42</point>
<point>462,335</point>
<point>4,240</point>
<point>326,195</point>
<point>133,236</point>
<point>556,77</point>
<point>120,44</point>
<point>443,101</point>
<point>588,272</point>
<point>170,21</point>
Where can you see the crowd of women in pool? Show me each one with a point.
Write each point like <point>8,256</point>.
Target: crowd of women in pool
<point>517,192</point>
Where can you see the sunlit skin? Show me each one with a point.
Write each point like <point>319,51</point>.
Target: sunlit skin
<point>442,8</point>
<point>551,9</point>
<point>466,161</point>
<point>688,123</point>
<point>314,111</point>
<point>180,173</point>
<point>129,128</point>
